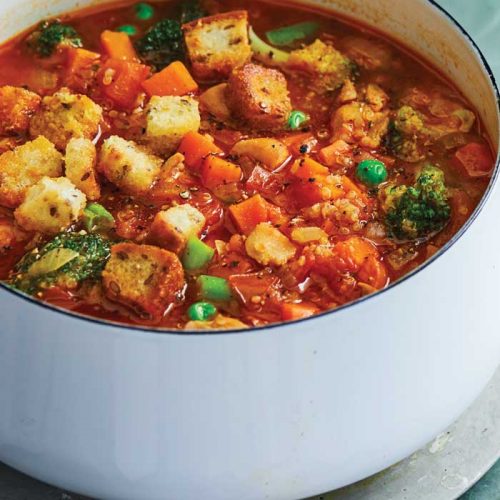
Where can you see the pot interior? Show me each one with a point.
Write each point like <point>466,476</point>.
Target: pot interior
<point>418,24</point>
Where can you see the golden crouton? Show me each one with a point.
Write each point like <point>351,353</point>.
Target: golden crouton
<point>259,97</point>
<point>80,159</point>
<point>25,166</point>
<point>218,44</point>
<point>64,116</point>
<point>128,166</point>
<point>326,67</point>
<point>267,245</point>
<point>50,206</point>
<point>144,278</point>
<point>17,106</point>
<point>220,322</point>
<point>168,120</point>
<point>171,228</point>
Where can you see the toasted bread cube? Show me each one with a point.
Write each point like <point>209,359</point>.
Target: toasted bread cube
<point>50,206</point>
<point>328,68</point>
<point>128,166</point>
<point>218,44</point>
<point>259,97</point>
<point>64,115</point>
<point>145,278</point>
<point>171,228</point>
<point>267,245</point>
<point>168,120</point>
<point>26,165</point>
<point>81,159</point>
<point>17,106</point>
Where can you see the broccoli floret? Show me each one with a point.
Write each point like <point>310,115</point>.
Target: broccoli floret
<point>162,44</point>
<point>407,135</point>
<point>191,10</point>
<point>51,34</point>
<point>65,261</point>
<point>418,211</point>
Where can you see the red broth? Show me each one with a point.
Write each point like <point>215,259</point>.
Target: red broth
<point>319,230</point>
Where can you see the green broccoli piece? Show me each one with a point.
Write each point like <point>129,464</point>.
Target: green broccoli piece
<point>51,34</point>
<point>162,44</point>
<point>408,135</point>
<point>418,211</point>
<point>191,10</point>
<point>65,261</point>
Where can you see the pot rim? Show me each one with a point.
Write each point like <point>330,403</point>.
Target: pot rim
<point>276,326</point>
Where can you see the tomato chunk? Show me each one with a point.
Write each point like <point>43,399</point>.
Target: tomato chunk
<point>475,158</point>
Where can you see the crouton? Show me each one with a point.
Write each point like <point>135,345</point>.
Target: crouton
<point>220,322</point>
<point>144,278</point>
<point>171,228</point>
<point>259,97</point>
<point>267,245</point>
<point>168,119</point>
<point>326,67</point>
<point>26,165</point>
<point>218,44</point>
<point>64,116</point>
<point>80,159</point>
<point>50,206</point>
<point>128,166</point>
<point>17,106</point>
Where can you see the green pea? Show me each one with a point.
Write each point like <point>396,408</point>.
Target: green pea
<point>371,172</point>
<point>128,29</point>
<point>144,11</point>
<point>201,311</point>
<point>296,119</point>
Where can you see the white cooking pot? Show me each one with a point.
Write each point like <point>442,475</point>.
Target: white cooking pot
<point>280,412</point>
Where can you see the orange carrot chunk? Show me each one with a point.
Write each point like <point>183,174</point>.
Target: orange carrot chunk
<point>216,172</point>
<point>121,81</point>
<point>196,147</point>
<point>290,312</point>
<point>117,45</point>
<point>307,168</point>
<point>81,68</point>
<point>175,79</point>
<point>247,214</point>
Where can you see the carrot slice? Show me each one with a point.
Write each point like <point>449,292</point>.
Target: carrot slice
<point>118,45</point>
<point>81,68</point>
<point>196,147</point>
<point>175,79</point>
<point>121,81</point>
<point>307,168</point>
<point>247,214</point>
<point>216,171</point>
<point>290,312</point>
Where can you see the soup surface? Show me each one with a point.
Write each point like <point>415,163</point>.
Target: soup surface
<point>224,164</point>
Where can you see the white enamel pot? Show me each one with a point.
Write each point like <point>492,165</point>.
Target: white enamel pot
<point>282,412</point>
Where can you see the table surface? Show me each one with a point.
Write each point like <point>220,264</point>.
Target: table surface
<point>454,460</point>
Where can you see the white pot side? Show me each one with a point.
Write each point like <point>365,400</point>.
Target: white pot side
<point>280,413</point>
